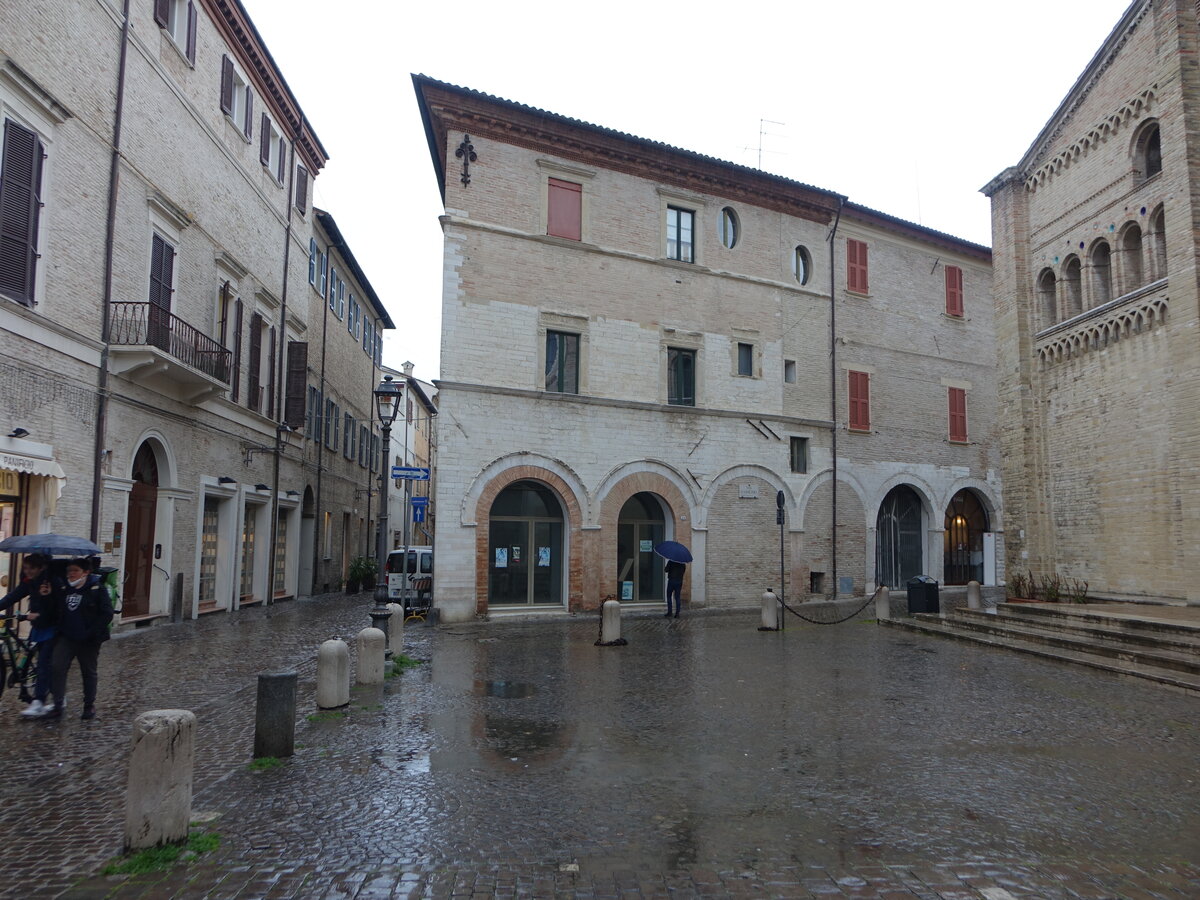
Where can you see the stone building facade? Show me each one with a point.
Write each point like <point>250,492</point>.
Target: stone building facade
<point>157,334</point>
<point>1097,317</point>
<point>641,343</point>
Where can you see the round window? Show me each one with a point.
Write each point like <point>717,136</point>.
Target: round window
<point>730,231</point>
<point>801,265</point>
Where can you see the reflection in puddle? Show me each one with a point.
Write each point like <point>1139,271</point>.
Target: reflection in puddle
<point>511,737</point>
<point>507,690</point>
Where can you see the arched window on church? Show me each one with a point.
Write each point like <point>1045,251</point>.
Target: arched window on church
<point>1047,302</point>
<point>1101,260</point>
<point>1147,152</point>
<point>1072,287</point>
<point>1158,239</point>
<point>1131,258</point>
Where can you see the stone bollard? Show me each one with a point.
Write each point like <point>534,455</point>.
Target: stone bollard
<point>158,800</point>
<point>883,604</point>
<point>974,598</point>
<point>610,624</point>
<point>396,629</point>
<point>275,715</point>
<point>770,611</point>
<point>333,674</point>
<point>370,656</point>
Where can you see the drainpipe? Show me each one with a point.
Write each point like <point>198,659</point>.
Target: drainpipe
<point>110,228</point>
<point>280,390</point>
<point>318,510</point>
<point>833,394</point>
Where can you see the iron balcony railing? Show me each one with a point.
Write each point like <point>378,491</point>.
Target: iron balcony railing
<point>147,324</point>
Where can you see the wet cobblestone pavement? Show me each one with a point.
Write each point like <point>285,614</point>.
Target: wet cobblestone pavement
<point>703,759</point>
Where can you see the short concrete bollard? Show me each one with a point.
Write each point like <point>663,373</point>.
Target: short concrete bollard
<point>370,656</point>
<point>974,596</point>
<point>396,629</point>
<point>333,674</point>
<point>883,604</point>
<point>275,715</point>
<point>158,800</point>
<point>770,611</point>
<point>610,625</point>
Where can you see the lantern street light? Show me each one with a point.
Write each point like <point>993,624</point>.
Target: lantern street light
<point>387,406</point>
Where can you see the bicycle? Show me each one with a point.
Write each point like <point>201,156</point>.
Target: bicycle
<point>18,659</point>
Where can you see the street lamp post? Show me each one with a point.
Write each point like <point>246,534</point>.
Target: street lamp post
<point>387,405</point>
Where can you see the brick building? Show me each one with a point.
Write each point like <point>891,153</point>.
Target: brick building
<point>641,343</point>
<point>1096,319</point>
<point>157,335</point>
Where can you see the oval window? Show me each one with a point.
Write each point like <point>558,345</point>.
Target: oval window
<point>729,228</point>
<point>801,265</point>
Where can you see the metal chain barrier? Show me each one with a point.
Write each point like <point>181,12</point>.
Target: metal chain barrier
<point>800,615</point>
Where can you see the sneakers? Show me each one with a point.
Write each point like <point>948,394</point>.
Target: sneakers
<point>89,712</point>
<point>52,712</point>
<point>35,710</point>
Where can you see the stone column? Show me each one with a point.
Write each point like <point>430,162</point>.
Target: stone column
<point>396,629</point>
<point>883,604</point>
<point>370,656</point>
<point>333,674</point>
<point>158,800</point>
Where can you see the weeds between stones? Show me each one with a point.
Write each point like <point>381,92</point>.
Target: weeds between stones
<point>158,859</point>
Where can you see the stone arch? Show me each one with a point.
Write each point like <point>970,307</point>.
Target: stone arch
<point>469,512</point>
<point>987,500</point>
<point>572,519</point>
<point>1156,232</point>
<point>1072,286</point>
<point>812,555</point>
<point>1047,292</point>
<point>1132,269</point>
<point>742,535</point>
<point>1100,263</point>
<point>1145,149</point>
<point>772,478</point>
<point>168,466</point>
<point>920,487</point>
<point>984,491</point>
<point>652,467</point>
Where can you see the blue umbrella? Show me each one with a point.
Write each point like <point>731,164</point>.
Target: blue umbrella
<point>49,545</point>
<point>674,551</point>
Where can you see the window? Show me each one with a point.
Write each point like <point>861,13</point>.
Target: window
<point>564,209</point>
<point>254,390</point>
<point>1101,274</point>
<point>20,203</point>
<point>348,432</point>
<point>856,266</point>
<point>1047,298</point>
<point>679,234</point>
<point>301,189</point>
<point>312,261</point>
<point>312,422</point>
<point>368,336</point>
<point>341,298</point>
<point>364,438</point>
<point>799,446</point>
<point>272,148</point>
<point>730,228</point>
<point>237,100</point>
<point>162,271</point>
<point>745,359</point>
<point>328,423</point>
<point>681,376</point>
<point>1073,289</point>
<point>958,414</point>
<point>1131,250</point>
<point>860,401</point>
<point>801,264</point>
<point>789,371</point>
<point>353,314</point>
<point>954,291</point>
<point>379,343</point>
<point>178,19</point>
<point>1147,152</point>
<point>562,362</point>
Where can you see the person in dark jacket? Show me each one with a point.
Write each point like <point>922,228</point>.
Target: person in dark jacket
<point>674,572</point>
<point>38,585</point>
<point>83,612</point>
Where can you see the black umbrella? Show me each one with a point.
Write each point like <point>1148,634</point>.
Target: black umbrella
<point>49,545</point>
<point>674,551</point>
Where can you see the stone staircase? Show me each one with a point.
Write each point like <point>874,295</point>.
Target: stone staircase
<point>1157,643</point>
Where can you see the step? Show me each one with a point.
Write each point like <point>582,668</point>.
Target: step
<point>1096,614</point>
<point>1102,630</point>
<point>1166,677</point>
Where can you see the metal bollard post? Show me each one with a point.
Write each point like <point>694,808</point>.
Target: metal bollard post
<point>275,715</point>
<point>158,801</point>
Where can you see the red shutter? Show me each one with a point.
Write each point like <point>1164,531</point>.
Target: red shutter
<point>958,415</point>
<point>248,124</point>
<point>254,363</point>
<point>264,141</point>
<point>20,204</point>
<point>271,375</point>
<point>237,350</point>
<point>301,188</point>
<point>226,85</point>
<point>191,32</point>
<point>564,209</point>
<point>162,12</point>
<point>954,291</point>
<point>860,401</point>
<point>856,266</point>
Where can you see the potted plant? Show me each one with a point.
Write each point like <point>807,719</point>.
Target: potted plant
<point>369,567</point>
<point>362,569</point>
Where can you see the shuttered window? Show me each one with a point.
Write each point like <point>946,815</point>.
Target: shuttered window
<point>20,205</point>
<point>301,189</point>
<point>860,401</point>
<point>271,373</point>
<point>179,21</point>
<point>958,414</point>
<point>162,272</point>
<point>564,213</point>
<point>237,350</point>
<point>264,140</point>
<point>237,99</point>
<point>856,266</point>
<point>254,364</point>
<point>296,382</point>
<point>954,291</point>
<point>227,85</point>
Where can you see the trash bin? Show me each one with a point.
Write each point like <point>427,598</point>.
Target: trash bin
<point>923,595</point>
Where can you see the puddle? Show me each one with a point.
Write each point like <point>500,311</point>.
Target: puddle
<point>507,690</point>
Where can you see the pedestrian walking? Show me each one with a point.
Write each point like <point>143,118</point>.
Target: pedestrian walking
<point>674,570</point>
<point>84,611</point>
<point>38,585</point>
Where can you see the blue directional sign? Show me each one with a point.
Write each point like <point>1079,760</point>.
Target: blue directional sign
<point>410,473</point>
<point>418,513</point>
<point>419,501</point>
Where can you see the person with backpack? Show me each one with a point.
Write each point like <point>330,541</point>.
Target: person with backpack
<point>38,585</point>
<point>83,612</point>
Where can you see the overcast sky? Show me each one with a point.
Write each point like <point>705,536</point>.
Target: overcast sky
<point>909,108</point>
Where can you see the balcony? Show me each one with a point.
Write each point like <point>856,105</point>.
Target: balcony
<point>156,348</point>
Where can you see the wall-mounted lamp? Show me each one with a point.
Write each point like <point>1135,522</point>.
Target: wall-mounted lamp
<point>261,487</point>
<point>225,479</point>
<point>18,433</point>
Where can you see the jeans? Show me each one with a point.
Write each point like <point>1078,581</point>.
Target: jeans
<point>88,654</point>
<point>45,669</point>
<point>674,589</point>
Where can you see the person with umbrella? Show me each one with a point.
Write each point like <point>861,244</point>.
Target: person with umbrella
<point>677,557</point>
<point>38,585</point>
<point>84,611</point>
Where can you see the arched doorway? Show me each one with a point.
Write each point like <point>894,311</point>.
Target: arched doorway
<point>308,549</point>
<point>966,521</point>
<point>899,554</point>
<point>640,525</point>
<point>139,555</point>
<point>525,547</point>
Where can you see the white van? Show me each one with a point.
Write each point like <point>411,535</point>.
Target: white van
<point>411,585</point>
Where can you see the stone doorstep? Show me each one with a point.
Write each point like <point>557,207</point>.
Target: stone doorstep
<point>1150,618</point>
<point>1112,630</point>
<point>1175,680</point>
<point>1108,645</point>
